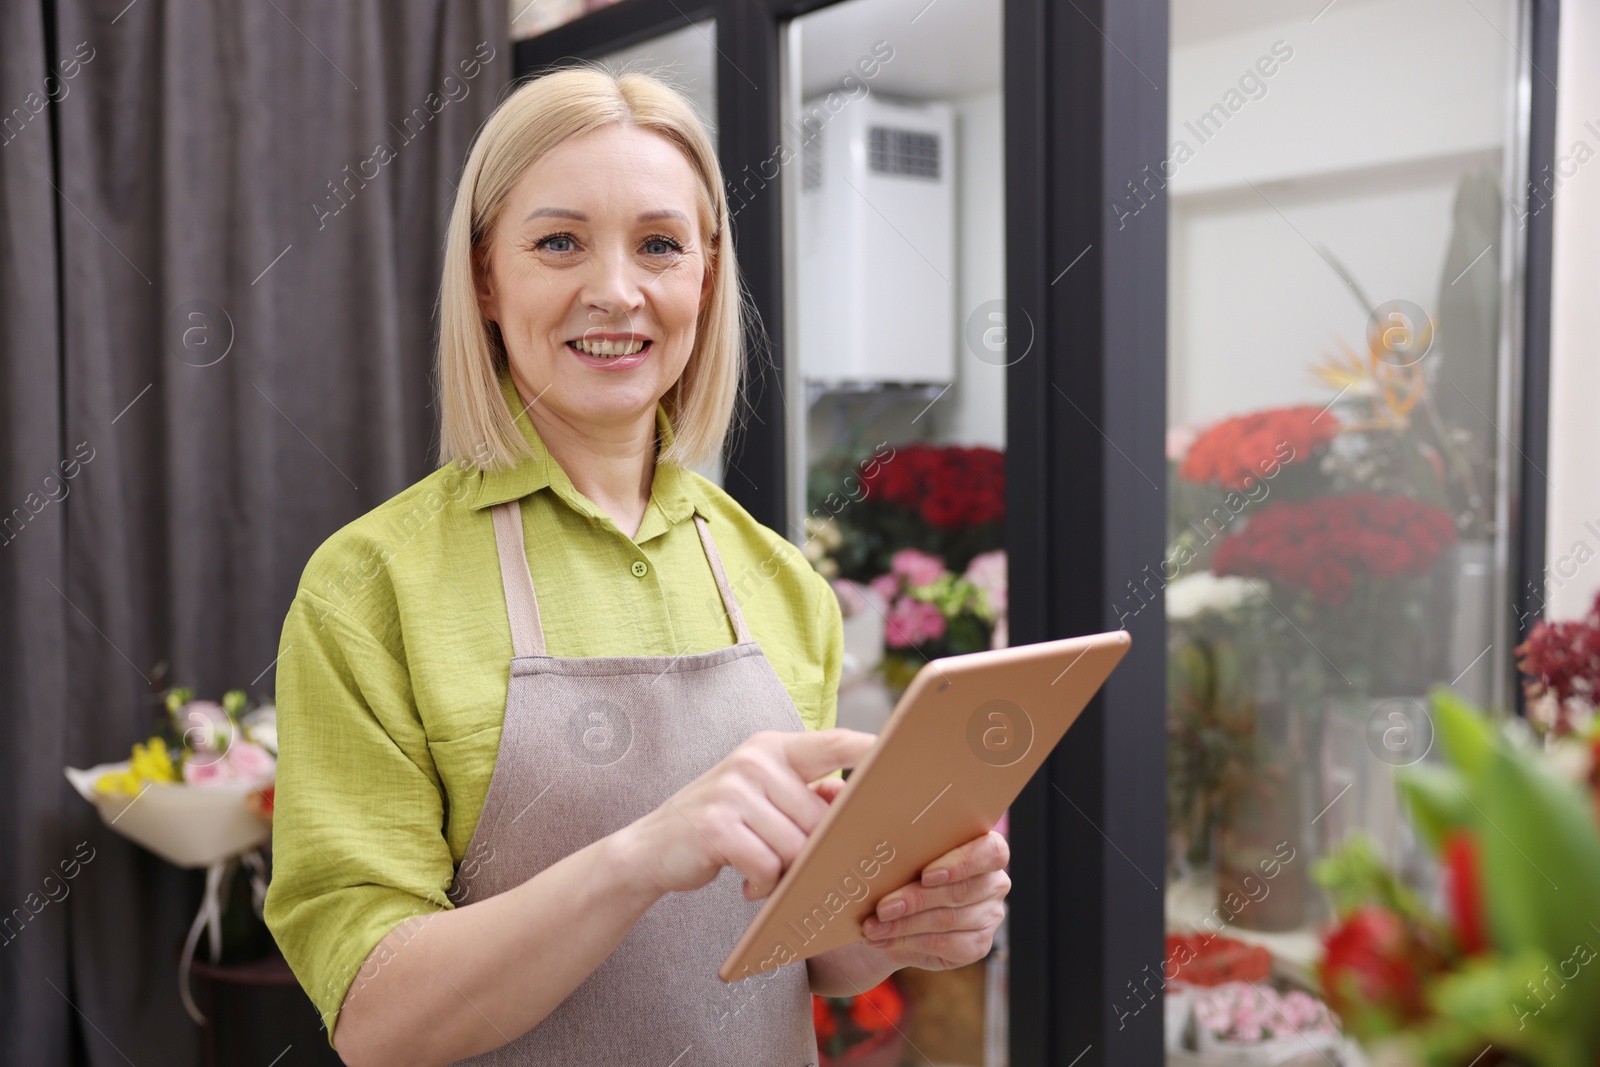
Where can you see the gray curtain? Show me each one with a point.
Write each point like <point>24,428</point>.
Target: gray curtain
<point>218,298</point>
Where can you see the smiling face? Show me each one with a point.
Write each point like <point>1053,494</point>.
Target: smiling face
<point>595,273</point>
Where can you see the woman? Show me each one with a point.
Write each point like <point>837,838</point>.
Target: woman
<point>554,719</point>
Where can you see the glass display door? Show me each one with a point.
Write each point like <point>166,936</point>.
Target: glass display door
<point>1344,355</point>
<point>892,175</point>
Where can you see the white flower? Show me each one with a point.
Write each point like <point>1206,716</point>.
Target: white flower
<point>261,726</point>
<point>1203,591</point>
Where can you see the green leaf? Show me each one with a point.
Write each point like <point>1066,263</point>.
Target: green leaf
<point>1355,875</point>
<point>1541,864</point>
<point>1541,855</point>
<point>1490,1000</point>
<point>1466,734</point>
<point>1436,800</point>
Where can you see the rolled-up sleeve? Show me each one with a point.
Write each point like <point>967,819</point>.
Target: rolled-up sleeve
<point>830,618</point>
<point>357,831</point>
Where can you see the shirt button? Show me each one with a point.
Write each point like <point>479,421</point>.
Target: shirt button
<point>640,568</point>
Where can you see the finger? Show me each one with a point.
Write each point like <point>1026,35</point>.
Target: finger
<point>816,752</point>
<point>828,788</point>
<point>789,793</point>
<point>990,852</point>
<point>910,899</point>
<point>944,950</point>
<point>744,851</point>
<point>985,915</point>
<point>773,827</point>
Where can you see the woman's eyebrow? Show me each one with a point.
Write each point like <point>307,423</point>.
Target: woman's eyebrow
<point>568,213</point>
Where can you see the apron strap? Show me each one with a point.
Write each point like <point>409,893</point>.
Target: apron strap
<point>522,607</point>
<point>741,632</point>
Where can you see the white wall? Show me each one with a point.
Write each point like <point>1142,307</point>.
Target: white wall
<point>1355,144</point>
<point>1573,536</point>
<point>974,412</point>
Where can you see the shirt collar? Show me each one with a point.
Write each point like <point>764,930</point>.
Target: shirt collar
<point>671,491</point>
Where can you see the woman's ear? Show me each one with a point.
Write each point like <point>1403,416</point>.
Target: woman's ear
<point>483,283</point>
<point>710,276</point>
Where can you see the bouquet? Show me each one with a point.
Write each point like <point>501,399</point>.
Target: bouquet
<point>947,502</point>
<point>932,611</point>
<point>1351,584</point>
<point>1328,545</point>
<point>199,795</point>
<point>196,793</point>
<point>1236,453</point>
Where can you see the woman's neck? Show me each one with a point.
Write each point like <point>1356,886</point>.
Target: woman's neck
<point>613,465</point>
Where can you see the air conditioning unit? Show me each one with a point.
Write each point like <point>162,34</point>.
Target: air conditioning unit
<point>877,229</point>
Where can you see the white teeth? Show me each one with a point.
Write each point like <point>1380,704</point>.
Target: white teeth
<point>608,348</point>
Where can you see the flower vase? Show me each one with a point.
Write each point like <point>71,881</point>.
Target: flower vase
<point>1261,856</point>
<point>1364,741</point>
<point>1470,591</point>
<point>898,670</point>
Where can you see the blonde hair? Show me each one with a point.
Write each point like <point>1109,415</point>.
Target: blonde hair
<point>476,429</point>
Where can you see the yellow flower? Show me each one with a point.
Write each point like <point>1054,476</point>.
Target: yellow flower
<point>150,762</point>
<point>1391,389</point>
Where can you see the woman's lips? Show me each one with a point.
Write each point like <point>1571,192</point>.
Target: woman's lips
<point>614,363</point>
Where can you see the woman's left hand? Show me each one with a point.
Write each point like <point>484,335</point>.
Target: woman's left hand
<point>948,919</point>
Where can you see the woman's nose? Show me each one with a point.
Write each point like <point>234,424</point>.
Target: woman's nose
<point>615,281</point>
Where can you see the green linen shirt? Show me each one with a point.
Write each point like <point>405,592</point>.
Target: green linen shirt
<point>395,656</point>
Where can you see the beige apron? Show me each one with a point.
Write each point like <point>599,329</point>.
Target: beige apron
<point>589,745</point>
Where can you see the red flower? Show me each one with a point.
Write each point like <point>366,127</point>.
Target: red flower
<point>896,483</point>
<point>1206,959</point>
<point>1325,544</point>
<point>878,1008</point>
<point>1241,450</point>
<point>1464,887</point>
<point>949,488</point>
<point>1372,962</point>
<point>822,1018</point>
<point>1562,659</point>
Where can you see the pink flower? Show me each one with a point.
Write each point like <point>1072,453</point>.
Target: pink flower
<point>207,769</point>
<point>205,726</point>
<point>916,567</point>
<point>987,571</point>
<point>887,586</point>
<point>912,622</point>
<point>250,761</point>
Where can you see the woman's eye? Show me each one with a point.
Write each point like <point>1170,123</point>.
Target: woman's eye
<point>554,238</point>
<point>661,246</point>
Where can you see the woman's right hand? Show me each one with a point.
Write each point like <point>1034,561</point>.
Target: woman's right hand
<point>754,810</point>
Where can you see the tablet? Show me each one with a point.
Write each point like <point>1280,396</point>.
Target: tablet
<point>962,742</point>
